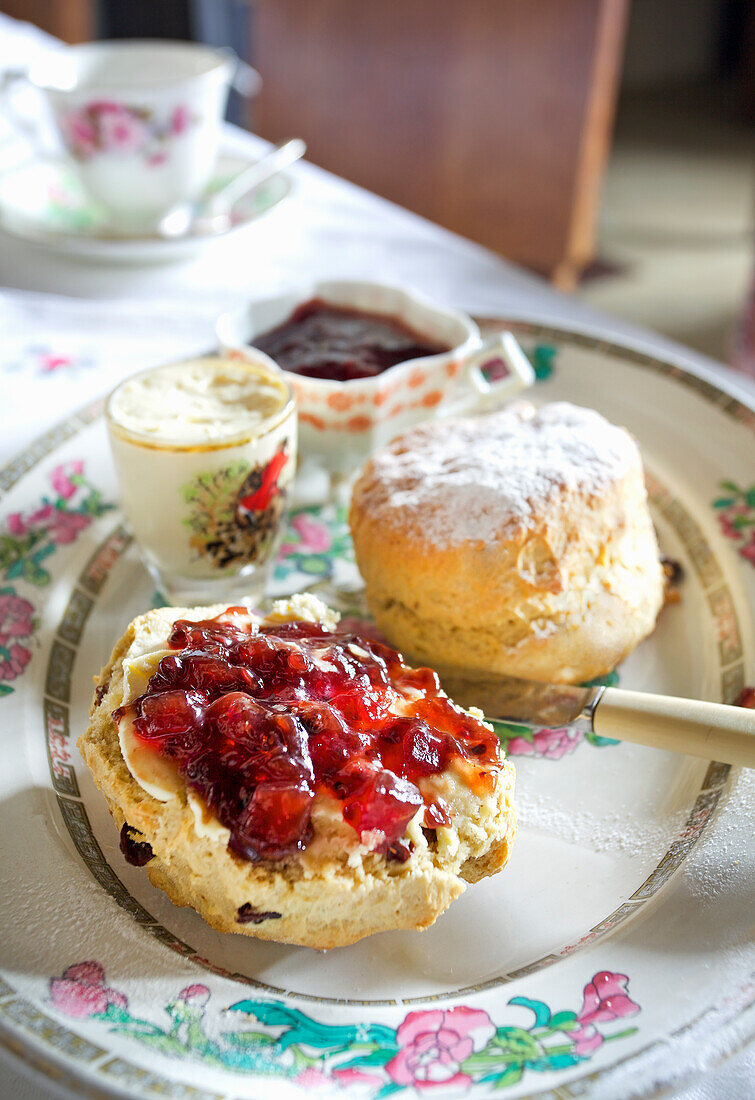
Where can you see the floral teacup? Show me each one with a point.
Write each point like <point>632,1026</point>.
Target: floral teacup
<point>141,121</point>
<point>340,423</point>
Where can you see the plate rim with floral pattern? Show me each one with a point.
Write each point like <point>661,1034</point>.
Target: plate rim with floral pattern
<point>446,1050</point>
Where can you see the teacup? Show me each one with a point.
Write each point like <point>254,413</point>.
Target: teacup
<point>141,121</point>
<point>340,423</point>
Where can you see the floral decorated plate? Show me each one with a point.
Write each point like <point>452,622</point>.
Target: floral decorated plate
<point>44,203</point>
<point>611,958</point>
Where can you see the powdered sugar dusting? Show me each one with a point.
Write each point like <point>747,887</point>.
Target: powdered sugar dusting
<point>725,858</point>
<point>480,478</point>
<point>618,831</point>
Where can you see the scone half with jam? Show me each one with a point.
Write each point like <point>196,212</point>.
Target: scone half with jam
<point>292,781</point>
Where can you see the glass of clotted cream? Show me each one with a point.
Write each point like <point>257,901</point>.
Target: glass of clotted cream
<point>205,452</point>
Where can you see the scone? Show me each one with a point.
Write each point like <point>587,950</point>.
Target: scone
<point>290,781</point>
<point>518,542</point>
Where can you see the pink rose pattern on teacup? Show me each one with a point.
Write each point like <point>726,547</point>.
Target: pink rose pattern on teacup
<point>105,126</point>
<point>441,1051</point>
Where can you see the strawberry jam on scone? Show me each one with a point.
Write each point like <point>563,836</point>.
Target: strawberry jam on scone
<point>292,780</point>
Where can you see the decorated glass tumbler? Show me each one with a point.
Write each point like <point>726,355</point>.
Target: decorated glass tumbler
<point>205,453</point>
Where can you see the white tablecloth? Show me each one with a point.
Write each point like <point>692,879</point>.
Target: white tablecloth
<point>70,330</point>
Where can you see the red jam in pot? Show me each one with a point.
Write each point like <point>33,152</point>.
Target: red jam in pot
<point>258,719</point>
<point>322,341</point>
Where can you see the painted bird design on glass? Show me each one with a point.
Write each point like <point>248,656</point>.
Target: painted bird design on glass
<point>259,489</point>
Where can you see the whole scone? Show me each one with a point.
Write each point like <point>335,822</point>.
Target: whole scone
<point>342,884</point>
<point>518,542</point>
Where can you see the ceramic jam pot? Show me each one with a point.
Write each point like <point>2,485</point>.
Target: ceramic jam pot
<point>340,423</point>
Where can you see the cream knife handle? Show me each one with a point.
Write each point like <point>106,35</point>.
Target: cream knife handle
<point>712,730</point>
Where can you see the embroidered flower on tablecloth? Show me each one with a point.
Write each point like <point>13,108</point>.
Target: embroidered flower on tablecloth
<point>48,361</point>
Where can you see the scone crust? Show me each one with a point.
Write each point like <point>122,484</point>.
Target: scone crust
<point>323,905</point>
<point>561,595</point>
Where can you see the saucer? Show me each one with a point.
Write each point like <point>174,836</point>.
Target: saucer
<point>44,203</point>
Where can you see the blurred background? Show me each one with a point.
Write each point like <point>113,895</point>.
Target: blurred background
<point>604,144</point>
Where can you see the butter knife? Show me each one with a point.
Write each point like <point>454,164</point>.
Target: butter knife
<point>714,731</point>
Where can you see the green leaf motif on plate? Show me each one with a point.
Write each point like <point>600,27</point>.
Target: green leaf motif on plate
<point>736,517</point>
<point>543,359</point>
<point>458,1047</point>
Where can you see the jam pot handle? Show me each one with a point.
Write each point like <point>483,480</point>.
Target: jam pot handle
<point>496,370</point>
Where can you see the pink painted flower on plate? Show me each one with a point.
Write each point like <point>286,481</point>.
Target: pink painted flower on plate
<point>434,1044</point>
<point>15,622</point>
<point>62,478</point>
<point>16,617</point>
<point>197,995</point>
<point>82,992</point>
<point>17,525</point>
<point>315,537</point>
<point>41,517</point>
<point>180,119</point>
<point>90,972</point>
<point>313,1078</point>
<point>726,518</point>
<point>66,526</point>
<point>13,661</point>
<point>550,743</point>
<point>606,998</point>
<point>748,550</point>
<point>160,156</point>
<point>353,1076</point>
<point>586,1040</point>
